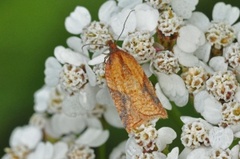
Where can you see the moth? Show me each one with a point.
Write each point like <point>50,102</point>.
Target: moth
<point>132,92</point>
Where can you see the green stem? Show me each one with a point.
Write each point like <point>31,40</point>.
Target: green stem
<point>102,152</point>
<point>102,149</point>
<point>175,115</point>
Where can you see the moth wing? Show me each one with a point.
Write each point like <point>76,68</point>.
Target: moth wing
<point>137,83</point>
<point>132,92</point>
<point>123,104</point>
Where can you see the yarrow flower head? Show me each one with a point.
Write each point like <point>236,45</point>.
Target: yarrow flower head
<point>230,113</point>
<point>140,45</point>
<point>96,36</point>
<point>149,142</point>
<point>220,153</point>
<point>100,74</point>
<point>159,4</point>
<point>220,35</point>
<point>195,78</point>
<point>165,62</point>
<point>192,61</point>
<point>169,23</point>
<point>232,55</point>
<point>195,134</point>
<point>145,137</point>
<point>222,85</point>
<point>80,151</point>
<point>73,78</point>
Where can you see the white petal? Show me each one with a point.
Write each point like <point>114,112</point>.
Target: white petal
<point>237,94</point>
<point>93,137</point>
<point>237,134</point>
<point>236,129</point>
<point>103,96</point>
<point>235,152</point>
<point>147,17</point>
<point>233,15</point>
<point>206,67</point>
<point>65,124</point>
<point>184,153</point>
<point>181,100</point>
<point>50,130</point>
<point>199,20</point>
<point>43,151</point>
<point>60,150</point>
<point>52,71</point>
<point>106,10</point>
<point>111,115</point>
<point>118,150</point>
<point>68,56</point>
<point>94,122</point>
<point>199,100</point>
<point>163,99</point>
<point>190,38</point>
<point>211,110</point>
<point>187,120</point>
<point>128,3</point>
<point>174,87</point>
<point>76,124</point>
<point>97,60</point>
<point>225,13</point>
<point>219,11</point>
<point>146,69</point>
<point>185,59</point>
<point>238,37</point>
<point>166,136</point>
<point>218,64</point>
<point>117,22</point>
<point>41,99</point>
<point>184,8</point>
<point>203,52</point>
<point>199,153</point>
<point>220,137</point>
<point>167,88</point>
<point>132,148</point>
<point>173,154</point>
<point>7,156</point>
<point>72,106</point>
<point>91,75</point>
<point>87,97</point>
<point>158,155</point>
<point>75,43</point>
<point>28,135</point>
<point>236,28</point>
<point>77,20</point>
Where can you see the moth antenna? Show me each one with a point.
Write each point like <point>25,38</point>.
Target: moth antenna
<point>124,24</point>
<point>92,44</point>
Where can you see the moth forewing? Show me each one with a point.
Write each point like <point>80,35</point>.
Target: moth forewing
<point>131,90</point>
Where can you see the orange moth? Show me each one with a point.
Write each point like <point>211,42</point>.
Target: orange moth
<point>131,90</point>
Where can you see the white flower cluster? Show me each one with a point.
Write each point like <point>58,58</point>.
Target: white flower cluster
<point>147,142</point>
<point>194,60</point>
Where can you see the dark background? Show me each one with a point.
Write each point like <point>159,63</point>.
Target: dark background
<point>29,32</point>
